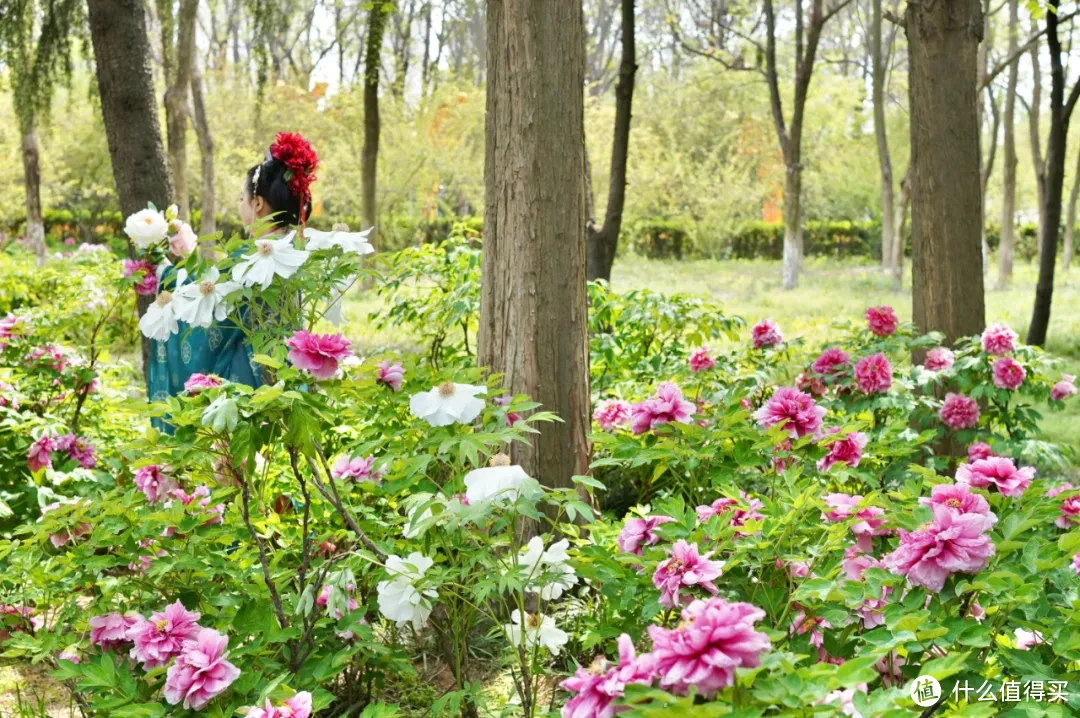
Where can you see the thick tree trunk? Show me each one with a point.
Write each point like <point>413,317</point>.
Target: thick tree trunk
<point>369,156</point>
<point>1070,219</point>
<point>35,224</point>
<point>533,308</point>
<point>884,161</point>
<point>176,105</point>
<point>208,203</point>
<point>126,88</point>
<point>603,241</point>
<point>900,224</point>
<point>1007,243</point>
<point>947,282</point>
<point>793,235</point>
<point>1056,146</point>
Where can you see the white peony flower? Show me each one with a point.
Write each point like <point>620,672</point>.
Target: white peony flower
<point>222,414</point>
<point>355,242</point>
<point>159,322</point>
<point>146,227</point>
<point>448,403</point>
<point>546,572</point>
<point>502,483</point>
<point>399,598</point>
<point>272,257</point>
<point>202,302</point>
<point>537,628</point>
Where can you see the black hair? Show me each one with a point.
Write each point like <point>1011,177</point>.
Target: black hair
<point>274,188</point>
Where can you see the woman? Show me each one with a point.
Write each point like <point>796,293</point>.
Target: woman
<point>278,188</point>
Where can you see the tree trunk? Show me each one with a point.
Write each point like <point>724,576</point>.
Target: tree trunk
<point>985,164</point>
<point>1056,146</point>
<point>533,307</point>
<point>35,224</point>
<point>207,223</point>
<point>884,161</point>
<point>602,242</point>
<point>176,104</point>
<point>126,88</point>
<point>1007,243</point>
<point>793,236</point>
<point>947,283</point>
<point>369,156</point>
<point>900,223</point>
<point>1034,112</point>
<point>1070,220</point>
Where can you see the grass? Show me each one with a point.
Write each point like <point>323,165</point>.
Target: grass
<point>829,291</point>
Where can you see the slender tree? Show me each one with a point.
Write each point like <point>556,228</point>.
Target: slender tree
<point>126,87</point>
<point>178,49</point>
<point>35,45</point>
<point>208,199</point>
<point>1061,109</point>
<point>1070,219</point>
<point>603,239</point>
<point>878,71</point>
<point>946,208</point>
<point>533,308</point>
<point>369,156</point>
<point>1007,242</point>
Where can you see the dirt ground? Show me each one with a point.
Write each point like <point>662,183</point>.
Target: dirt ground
<point>36,689</point>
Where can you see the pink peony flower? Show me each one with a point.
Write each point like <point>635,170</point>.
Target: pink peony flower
<point>873,374</point>
<point>324,598</point>
<point>183,243</point>
<point>611,413</point>
<point>79,449</point>
<point>81,529</point>
<point>882,320</point>
<point>844,507</point>
<point>390,374</point>
<point>663,407</point>
<point>1026,639</point>
<point>359,469</point>
<point>889,667</point>
<point>701,361</point>
<point>155,483</point>
<point>685,568</point>
<point>71,653</point>
<point>793,410</point>
<point>958,498</point>
<point>1070,506</point>
<point>811,384</point>
<point>145,273</point>
<point>597,687</point>
<point>959,412</point>
<point>998,339</point>
<point>846,450</point>
<point>999,471</point>
<point>1076,563</point>
<point>939,359</point>
<point>1064,388</point>
<point>317,354</point>
<point>39,455</point>
<point>299,706</point>
<point>1008,374</point>
<point>803,624</point>
<point>161,637</point>
<point>766,334</point>
<point>979,450</point>
<point>781,463</point>
<point>201,672</point>
<point>512,417</point>
<point>952,543</point>
<point>832,361</point>
<point>725,506</point>
<point>111,630</point>
<point>198,382</point>
<point>855,563</point>
<point>638,532</point>
<point>716,638</point>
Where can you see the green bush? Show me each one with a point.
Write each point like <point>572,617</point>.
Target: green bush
<point>661,239</point>
<point>1026,237</point>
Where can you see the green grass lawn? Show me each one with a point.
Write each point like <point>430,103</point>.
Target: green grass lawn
<point>829,291</point>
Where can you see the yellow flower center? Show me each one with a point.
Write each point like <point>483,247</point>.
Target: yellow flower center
<point>148,220</point>
<point>264,248</point>
<point>164,298</point>
<point>808,624</point>
<point>955,503</point>
<point>160,625</point>
<point>206,287</point>
<point>500,459</point>
<point>446,388</point>
<point>532,620</point>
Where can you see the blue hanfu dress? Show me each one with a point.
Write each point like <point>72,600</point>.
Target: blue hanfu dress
<point>221,349</point>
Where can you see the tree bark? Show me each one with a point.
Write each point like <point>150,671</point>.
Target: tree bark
<point>986,165</point>
<point>369,156</point>
<point>533,307</point>
<point>603,241</point>
<point>1056,146</point>
<point>1034,117</point>
<point>900,223</point>
<point>1007,242</point>
<point>1070,220</point>
<point>35,223</point>
<point>208,203</point>
<point>126,88</point>
<point>176,104</point>
<point>946,209</point>
<point>884,161</point>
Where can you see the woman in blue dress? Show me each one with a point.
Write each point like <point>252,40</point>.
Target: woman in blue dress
<point>222,348</point>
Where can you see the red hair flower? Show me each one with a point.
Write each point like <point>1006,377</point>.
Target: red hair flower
<point>297,154</point>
